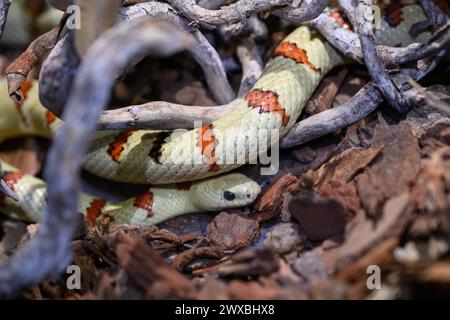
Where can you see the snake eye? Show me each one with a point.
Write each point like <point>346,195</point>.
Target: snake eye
<point>229,196</point>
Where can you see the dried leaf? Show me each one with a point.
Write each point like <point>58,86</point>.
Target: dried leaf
<point>326,92</point>
<point>13,232</point>
<point>431,99</point>
<point>317,156</point>
<point>394,171</point>
<point>271,201</point>
<point>305,154</point>
<point>232,232</point>
<point>310,266</point>
<point>213,289</point>
<point>149,272</point>
<point>244,290</point>
<point>186,257</point>
<point>430,190</point>
<point>250,263</point>
<point>345,165</point>
<point>181,240</point>
<point>345,193</point>
<point>17,71</point>
<point>356,272</point>
<point>363,233</point>
<point>437,272</point>
<point>284,238</point>
<point>319,218</point>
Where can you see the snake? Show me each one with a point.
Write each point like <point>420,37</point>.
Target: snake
<point>191,171</point>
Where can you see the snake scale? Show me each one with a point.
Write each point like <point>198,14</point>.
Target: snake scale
<point>190,170</point>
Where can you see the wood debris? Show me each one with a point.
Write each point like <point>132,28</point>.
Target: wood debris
<point>231,232</point>
<point>359,185</point>
<point>149,272</point>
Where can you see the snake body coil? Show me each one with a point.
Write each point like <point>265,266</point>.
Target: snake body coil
<point>156,157</point>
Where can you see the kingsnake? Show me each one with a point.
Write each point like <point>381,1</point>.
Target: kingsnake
<point>275,102</point>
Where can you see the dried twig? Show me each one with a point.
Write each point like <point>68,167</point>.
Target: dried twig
<point>435,15</point>
<point>308,10</point>
<point>160,115</point>
<point>149,272</point>
<point>348,43</point>
<point>252,26</point>
<point>439,42</point>
<point>61,66</point>
<point>252,65</point>
<point>4,8</point>
<point>211,4</point>
<point>361,105</point>
<point>419,93</point>
<point>373,62</point>
<point>234,17</point>
<point>48,252</point>
<point>232,13</point>
<point>328,121</point>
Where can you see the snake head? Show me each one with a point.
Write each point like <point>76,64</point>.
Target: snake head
<point>225,191</point>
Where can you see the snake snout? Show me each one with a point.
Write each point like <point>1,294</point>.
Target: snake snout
<point>252,192</point>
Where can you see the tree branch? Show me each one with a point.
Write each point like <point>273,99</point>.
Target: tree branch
<point>348,43</point>
<point>252,65</point>
<point>4,8</point>
<point>435,15</point>
<point>373,63</point>
<point>232,13</point>
<point>160,115</point>
<point>308,10</point>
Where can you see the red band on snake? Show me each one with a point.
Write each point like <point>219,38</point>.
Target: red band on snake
<point>50,116</point>
<point>207,143</point>
<point>115,148</point>
<point>393,15</point>
<point>266,101</point>
<point>94,210</point>
<point>292,51</point>
<point>145,201</point>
